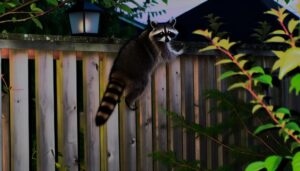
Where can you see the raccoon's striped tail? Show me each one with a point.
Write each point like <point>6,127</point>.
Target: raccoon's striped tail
<point>110,98</point>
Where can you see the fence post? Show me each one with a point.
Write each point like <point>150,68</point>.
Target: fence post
<point>45,110</point>
<point>19,108</point>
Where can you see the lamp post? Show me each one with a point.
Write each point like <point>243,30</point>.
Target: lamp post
<point>84,18</point>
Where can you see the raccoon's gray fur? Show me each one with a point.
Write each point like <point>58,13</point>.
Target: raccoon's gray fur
<point>134,65</point>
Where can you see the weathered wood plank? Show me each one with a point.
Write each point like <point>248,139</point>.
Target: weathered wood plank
<point>19,107</point>
<point>45,110</point>
<point>91,96</point>
<point>67,110</point>
<point>103,74</point>
<point>127,126</point>
<point>175,134</point>
<point>203,79</point>
<point>144,131</point>
<point>113,145</point>
<point>188,100</point>
<point>160,119</point>
<point>196,102</point>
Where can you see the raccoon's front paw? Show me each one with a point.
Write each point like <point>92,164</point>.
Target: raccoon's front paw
<point>133,108</point>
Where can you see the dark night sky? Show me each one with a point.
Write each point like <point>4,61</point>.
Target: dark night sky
<point>240,17</point>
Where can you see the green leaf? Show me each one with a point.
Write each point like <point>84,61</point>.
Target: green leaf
<point>224,61</point>
<point>272,162</point>
<point>204,33</point>
<point>236,85</point>
<point>211,47</point>
<point>125,8</point>
<point>292,25</point>
<point>280,32</point>
<point>227,74</point>
<point>52,2</point>
<point>34,8</point>
<point>57,165</point>
<point>36,21</point>
<point>264,127</point>
<point>295,84</point>
<point>288,60</point>
<point>255,166</point>
<point>242,63</point>
<point>255,108</point>
<point>226,44</point>
<point>276,39</point>
<point>266,79</point>
<point>256,69</point>
<point>292,126</point>
<point>238,56</point>
<point>272,12</point>
<point>294,145</point>
<point>284,110</point>
<point>165,1</point>
<point>296,162</point>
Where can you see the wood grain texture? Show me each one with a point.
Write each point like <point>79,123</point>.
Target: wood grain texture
<point>70,111</point>
<point>160,118</point>
<point>67,111</point>
<point>91,94</point>
<point>19,108</point>
<point>113,145</point>
<point>144,131</point>
<point>175,134</point>
<point>45,110</point>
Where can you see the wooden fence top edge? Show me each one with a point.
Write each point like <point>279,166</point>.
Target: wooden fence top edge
<point>101,44</point>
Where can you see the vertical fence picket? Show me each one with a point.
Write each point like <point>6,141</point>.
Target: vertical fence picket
<point>160,118</point>
<point>19,108</point>
<point>174,105</point>
<point>104,67</point>
<point>202,78</point>
<point>91,94</point>
<point>144,132</point>
<point>112,129</point>
<point>188,100</point>
<point>45,110</point>
<point>197,95</point>
<point>67,111</point>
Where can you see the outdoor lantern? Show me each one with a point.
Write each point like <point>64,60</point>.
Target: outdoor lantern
<point>84,18</point>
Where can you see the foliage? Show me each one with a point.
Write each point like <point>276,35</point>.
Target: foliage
<point>279,119</point>
<point>39,17</point>
<point>262,32</point>
<point>288,60</point>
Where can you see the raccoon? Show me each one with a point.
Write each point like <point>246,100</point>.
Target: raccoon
<point>135,63</point>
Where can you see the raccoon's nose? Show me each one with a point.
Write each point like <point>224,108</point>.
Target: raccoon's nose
<point>167,39</point>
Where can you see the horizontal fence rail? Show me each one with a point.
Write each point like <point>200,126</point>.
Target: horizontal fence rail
<point>51,90</point>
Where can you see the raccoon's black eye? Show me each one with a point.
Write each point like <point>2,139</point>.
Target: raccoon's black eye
<point>172,35</point>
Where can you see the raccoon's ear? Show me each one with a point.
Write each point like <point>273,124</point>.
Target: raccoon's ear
<point>153,24</point>
<point>172,22</point>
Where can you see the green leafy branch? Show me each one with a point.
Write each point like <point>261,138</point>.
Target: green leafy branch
<point>14,11</point>
<point>284,63</point>
<point>253,76</point>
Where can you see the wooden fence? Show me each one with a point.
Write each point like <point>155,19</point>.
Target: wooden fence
<point>51,91</point>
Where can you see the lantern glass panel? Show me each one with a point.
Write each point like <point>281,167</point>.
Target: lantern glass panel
<point>92,22</point>
<point>76,21</point>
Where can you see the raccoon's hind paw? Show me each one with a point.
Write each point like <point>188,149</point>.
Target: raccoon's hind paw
<point>130,107</point>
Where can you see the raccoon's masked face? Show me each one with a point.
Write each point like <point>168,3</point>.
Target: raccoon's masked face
<point>163,32</point>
